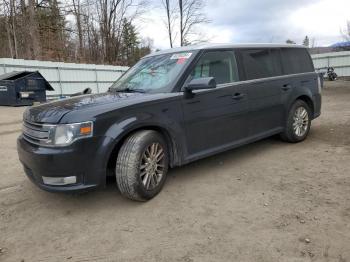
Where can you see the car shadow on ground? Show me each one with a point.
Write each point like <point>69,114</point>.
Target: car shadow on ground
<point>110,197</point>
<point>189,173</point>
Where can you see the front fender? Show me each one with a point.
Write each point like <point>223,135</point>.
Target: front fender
<point>169,127</point>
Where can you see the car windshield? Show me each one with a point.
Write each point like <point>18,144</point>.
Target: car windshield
<point>154,74</point>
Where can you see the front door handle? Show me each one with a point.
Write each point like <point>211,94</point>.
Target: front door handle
<point>286,87</point>
<point>238,96</point>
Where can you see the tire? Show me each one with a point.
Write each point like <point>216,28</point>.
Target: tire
<point>139,176</point>
<point>297,127</point>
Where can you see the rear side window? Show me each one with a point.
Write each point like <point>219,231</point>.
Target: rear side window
<point>218,64</point>
<point>276,60</point>
<point>296,60</point>
<point>261,63</point>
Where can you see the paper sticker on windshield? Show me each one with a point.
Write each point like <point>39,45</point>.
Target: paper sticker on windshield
<point>182,56</point>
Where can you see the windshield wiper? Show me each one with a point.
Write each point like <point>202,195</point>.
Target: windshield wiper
<point>130,90</point>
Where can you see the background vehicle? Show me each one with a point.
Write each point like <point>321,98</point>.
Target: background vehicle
<point>171,108</point>
<point>332,76</point>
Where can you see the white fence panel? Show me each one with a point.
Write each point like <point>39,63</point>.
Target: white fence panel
<point>339,60</point>
<point>67,78</point>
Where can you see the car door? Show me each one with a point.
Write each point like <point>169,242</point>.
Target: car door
<point>265,86</point>
<point>215,118</point>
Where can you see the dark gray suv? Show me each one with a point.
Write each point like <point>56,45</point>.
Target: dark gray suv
<point>173,107</point>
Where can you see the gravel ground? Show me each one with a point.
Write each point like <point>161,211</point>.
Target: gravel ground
<point>268,201</point>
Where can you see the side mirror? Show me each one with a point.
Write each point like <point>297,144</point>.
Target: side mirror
<point>201,83</point>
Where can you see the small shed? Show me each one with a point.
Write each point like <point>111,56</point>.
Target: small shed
<point>23,88</point>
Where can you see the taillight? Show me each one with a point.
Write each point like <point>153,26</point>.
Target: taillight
<point>319,83</point>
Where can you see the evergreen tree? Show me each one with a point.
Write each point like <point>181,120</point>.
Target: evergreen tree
<point>129,43</point>
<point>131,47</point>
<point>52,36</point>
<point>306,41</point>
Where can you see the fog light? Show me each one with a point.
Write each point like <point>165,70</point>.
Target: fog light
<point>59,181</point>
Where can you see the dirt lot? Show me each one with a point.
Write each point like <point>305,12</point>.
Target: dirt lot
<point>269,201</point>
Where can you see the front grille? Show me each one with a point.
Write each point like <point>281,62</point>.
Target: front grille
<point>36,133</point>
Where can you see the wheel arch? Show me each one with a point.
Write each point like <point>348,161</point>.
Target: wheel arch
<point>308,101</point>
<point>174,156</point>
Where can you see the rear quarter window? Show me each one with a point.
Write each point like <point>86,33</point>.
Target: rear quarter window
<point>261,63</point>
<point>296,60</point>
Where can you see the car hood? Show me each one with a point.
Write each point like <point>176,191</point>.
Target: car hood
<point>53,112</point>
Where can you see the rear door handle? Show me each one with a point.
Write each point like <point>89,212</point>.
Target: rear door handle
<point>238,96</point>
<point>286,87</point>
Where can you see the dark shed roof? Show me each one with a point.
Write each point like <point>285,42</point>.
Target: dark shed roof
<point>16,75</point>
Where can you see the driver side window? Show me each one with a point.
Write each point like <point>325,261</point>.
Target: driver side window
<point>218,64</point>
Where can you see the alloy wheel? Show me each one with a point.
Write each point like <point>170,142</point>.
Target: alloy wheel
<point>152,166</point>
<point>300,121</point>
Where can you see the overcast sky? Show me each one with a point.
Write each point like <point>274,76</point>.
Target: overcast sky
<point>261,21</point>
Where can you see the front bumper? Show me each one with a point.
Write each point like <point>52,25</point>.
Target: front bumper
<point>83,159</point>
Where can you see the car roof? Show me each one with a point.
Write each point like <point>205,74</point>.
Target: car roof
<point>221,46</point>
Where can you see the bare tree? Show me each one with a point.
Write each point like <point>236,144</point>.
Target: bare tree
<point>9,13</point>
<point>77,12</point>
<point>13,26</point>
<point>191,15</point>
<point>346,32</point>
<point>33,30</point>
<point>110,16</point>
<point>170,19</point>
<point>182,18</point>
<point>313,42</point>
<point>103,31</point>
<point>181,22</point>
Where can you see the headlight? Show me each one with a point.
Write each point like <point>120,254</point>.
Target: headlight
<point>66,134</point>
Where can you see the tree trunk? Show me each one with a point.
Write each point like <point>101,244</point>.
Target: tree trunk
<point>13,26</point>
<point>181,23</point>
<point>9,39</point>
<point>76,7</point>
<point>167,6</point>
<point>33,30</point>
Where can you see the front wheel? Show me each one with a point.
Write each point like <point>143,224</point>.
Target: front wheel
<point>298,122</point>
<point>142,165</point>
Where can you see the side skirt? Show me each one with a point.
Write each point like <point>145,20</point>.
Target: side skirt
<point>220,149</point>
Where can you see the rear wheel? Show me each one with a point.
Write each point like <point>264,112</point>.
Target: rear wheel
<point>298,122</point>
<point>142,165</point>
